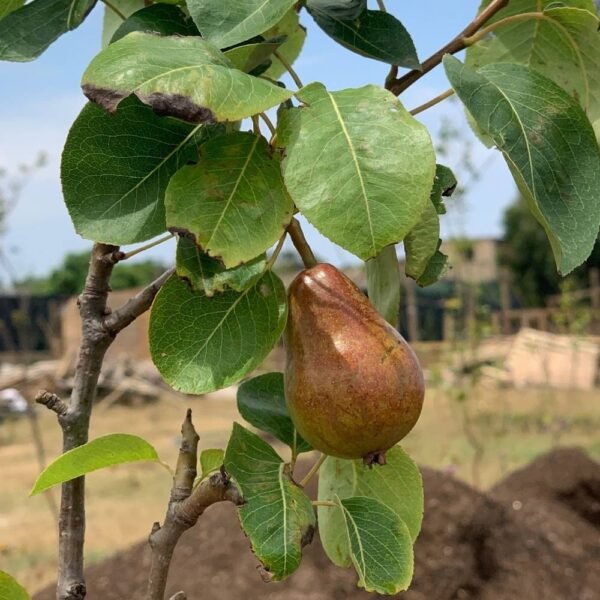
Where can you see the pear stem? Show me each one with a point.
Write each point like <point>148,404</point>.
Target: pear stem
<point>313,470</point>
<point>301,245</point>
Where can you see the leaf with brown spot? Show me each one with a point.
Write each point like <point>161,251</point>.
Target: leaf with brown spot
<point>233,201</point>
<point>186,77</point>
<point>209,275</point>
<point>115,170</point>
<point>278,517</point>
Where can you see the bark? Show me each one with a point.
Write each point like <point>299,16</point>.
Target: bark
<point>186,505</point>
<point>74,415</point>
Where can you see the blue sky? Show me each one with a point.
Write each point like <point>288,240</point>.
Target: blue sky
<point>39,101</point>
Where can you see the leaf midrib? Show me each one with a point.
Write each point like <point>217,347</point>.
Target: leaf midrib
<point>239,25</point>
<point>234,190</point>
<point>542,16</point>
<point>217,327</point>
<point>159,166</point>
<point>357,167</point>
<point>363,569</point>
<point>523,130</point>
<point>284,509</point>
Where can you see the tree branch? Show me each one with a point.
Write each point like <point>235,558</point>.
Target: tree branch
<point>134,307</point>
<point>97,333</point>
<point>74,419</point>
<point>186,505</point>
<point>52,402</point>
<point>397,86</point>
<point>301,245</point>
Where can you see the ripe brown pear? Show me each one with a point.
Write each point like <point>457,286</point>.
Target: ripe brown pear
<point>353,385</point>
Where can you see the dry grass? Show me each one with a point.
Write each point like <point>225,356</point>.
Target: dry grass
<point>512,425</point>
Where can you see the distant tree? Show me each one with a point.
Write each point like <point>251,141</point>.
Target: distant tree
<point>11,185</point>
<point>68,278</point>
<point>528,256</point>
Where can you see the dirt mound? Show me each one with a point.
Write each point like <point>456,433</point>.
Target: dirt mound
<point>534,536</point>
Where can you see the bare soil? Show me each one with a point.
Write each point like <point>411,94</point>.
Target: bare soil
<point>534,536</point>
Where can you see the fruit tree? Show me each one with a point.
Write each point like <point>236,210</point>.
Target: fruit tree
<point>189,132</point>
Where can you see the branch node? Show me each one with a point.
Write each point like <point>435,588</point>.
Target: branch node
<point>112,258</point>
<point>52,402</point>
<point>397,86</point>
<point>135,306</point>
<point>76,591</point>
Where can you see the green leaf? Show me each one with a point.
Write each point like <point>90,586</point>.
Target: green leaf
<point>245,207</point>
<point>228,23</point>
<point>248,57</point>
<point>261,401</point>
<point>163,19</point>
<point>9,6</point>
<point>27,31</point>
<point>397,484</point>
<point>559,40</point>
<point>291,48</point>
<point>211,460</point>
<point>209,275</point>
<point>184,77</point>
<point>201,344</point>
<point>358,166</point>
<point>383,283</point>
<point>105,451</point>
<point>374,34</point>
<point>10,589</point>
<point>112,21</point>
<point>346,10</point>
<point>380,545</point>
<point>115,170</point>
<point>277,517</point>
<point>549,146</point>
<point>422,243</point>
<point>444,185</point>
<point>436,268</point>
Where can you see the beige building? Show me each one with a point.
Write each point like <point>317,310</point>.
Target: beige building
<point>472,260</point>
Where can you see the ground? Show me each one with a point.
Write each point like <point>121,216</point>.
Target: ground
<point>509,427</point>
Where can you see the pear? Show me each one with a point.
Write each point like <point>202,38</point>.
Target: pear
<point>353,385</point>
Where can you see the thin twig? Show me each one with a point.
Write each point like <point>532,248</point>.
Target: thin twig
<point>313,470</point>
<point>276,252</point>
<point>455,45</point>
<point>255,125</point>
<point>469,41</point>
<point>294,451</point>
<point>289,69</point>
<point>441,97</point>
<point>134,307</point>
<point>135,251</point>
<point>186,504</point>
<point>52,402</point>
<point>112,7</point>
<point>391,76</point>
<point>301,245</point>
<point>268,122</point>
